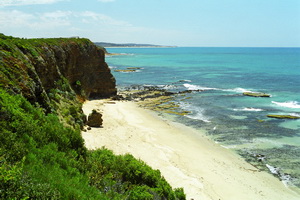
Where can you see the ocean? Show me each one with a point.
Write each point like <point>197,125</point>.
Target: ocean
<point>231,119</point>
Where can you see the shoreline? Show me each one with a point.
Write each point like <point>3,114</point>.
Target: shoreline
<point>185,156</point>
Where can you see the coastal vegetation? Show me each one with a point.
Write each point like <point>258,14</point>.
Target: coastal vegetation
<point>42,153</point>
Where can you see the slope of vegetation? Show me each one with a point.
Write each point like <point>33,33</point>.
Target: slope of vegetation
<point>42,153</point>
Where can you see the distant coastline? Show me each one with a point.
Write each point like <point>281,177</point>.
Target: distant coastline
<point>130,45</point>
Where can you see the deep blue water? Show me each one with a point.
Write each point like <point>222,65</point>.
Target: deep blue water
<point>236,121</point>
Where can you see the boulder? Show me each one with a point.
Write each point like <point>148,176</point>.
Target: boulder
<point>95,119</point>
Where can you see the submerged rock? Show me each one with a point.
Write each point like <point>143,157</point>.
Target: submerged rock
<point>125,70</point>
<point>134,68</point>
<point>283,116</point>
<point>95,119</point>
<point>256,94</point>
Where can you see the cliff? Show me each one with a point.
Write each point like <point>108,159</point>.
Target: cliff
<point>52,72</point>
<point>33,67</point>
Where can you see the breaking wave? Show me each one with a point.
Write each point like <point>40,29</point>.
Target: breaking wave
<point>197,87</point>
<point>195,112</point>
<point>287,104</point>
<point>249,109</point>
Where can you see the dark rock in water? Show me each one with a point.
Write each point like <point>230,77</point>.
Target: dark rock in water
<point>125,70</point>
<point>185,91</point>
<point>95,119</point>
<point>169,93</point>
<point>283,116</point>
<point>260,157</point>
<point>118,98</point>
<point>134,68</point>
<point>256,94</point>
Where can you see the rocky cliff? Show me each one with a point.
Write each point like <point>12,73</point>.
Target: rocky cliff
<point>34,66</point>
<point>52,72</point>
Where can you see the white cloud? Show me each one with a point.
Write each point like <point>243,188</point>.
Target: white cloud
<point>97,18</point>
<point>4,3</point>
<point>15,18</point>
<point>58,23</point>
<point>57,14</point>
<point>92,25</point>
<point>51,20</point>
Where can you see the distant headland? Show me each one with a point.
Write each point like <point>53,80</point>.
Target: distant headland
<point>131,45</point>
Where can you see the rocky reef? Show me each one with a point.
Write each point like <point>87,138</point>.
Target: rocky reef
<point>283,116</point>
<point>155,98</point>
<point>256,94</point>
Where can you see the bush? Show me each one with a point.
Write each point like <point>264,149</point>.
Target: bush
<point>127,176</point>
<point>42,159</point>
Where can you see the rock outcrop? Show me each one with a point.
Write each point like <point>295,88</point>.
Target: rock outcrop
<point>283,116</point>
<point>256,94</point>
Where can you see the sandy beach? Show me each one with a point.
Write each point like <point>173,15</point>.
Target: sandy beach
<point>185,156</point>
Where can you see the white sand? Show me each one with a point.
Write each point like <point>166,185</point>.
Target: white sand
<point>185,156</point>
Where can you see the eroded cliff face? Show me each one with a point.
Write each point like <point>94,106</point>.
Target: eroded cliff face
<point>82,64</point>
<point>32,66</point>
<point>52,72</point>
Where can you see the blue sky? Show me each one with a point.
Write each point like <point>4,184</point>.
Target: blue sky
<point>240,23</point>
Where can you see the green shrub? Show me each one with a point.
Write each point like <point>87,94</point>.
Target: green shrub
<point>125,175</point>
<point>40,158</point>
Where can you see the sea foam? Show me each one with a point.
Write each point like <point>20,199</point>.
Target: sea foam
<point>249,109</point>
<point>287,104</point>
<point>238,90</point>
<point>295,114</point>
<point>197,87</point>
<point>196,112</point>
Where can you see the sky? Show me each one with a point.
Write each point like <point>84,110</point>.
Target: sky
<point>203,23</point>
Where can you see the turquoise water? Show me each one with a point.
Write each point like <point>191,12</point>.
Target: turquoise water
<point>223,74</point>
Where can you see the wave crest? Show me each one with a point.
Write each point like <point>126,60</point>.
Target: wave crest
<point>287,104</point>
<point>239,90</point>
<point>249,109</point>
<point>197,87</point>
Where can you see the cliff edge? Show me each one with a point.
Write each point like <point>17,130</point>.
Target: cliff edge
<point>33,67</point>
<point>53,72</point>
